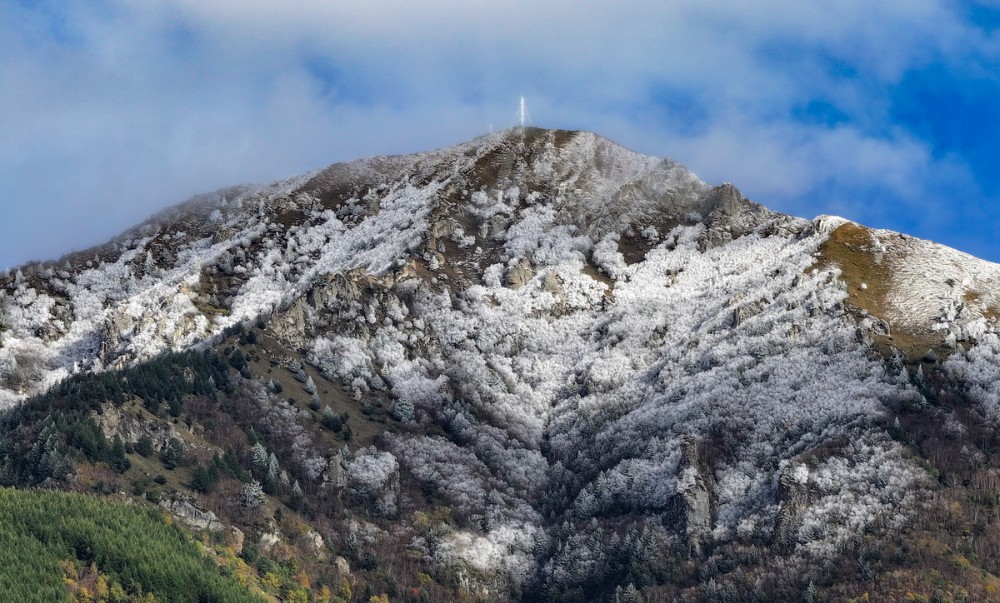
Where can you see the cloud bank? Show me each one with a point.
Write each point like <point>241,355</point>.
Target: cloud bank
<point>114,109</point>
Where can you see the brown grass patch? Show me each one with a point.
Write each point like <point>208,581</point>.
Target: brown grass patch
<point>594,273</point>
<point>991,313</point>
<point>852,249</point>
<point>973,298</point>
<point>868,277</point>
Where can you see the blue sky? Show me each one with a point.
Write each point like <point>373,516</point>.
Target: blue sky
<point>886,113</point>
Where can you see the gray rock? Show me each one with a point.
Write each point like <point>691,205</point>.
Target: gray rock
<point>236,539</point>
<point>696,500</point>
<point>192,516</point>
<point>519,275</point>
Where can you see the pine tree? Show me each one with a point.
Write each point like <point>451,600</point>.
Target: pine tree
<point>331,420</point>
<point>258,456</point>
<point>270,483</point>
<point>297,496</point>
<point>118,461</point>
<point>173,454</point>
<point>144,445</point>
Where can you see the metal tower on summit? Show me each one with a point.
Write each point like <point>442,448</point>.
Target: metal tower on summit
<point>522,115</point>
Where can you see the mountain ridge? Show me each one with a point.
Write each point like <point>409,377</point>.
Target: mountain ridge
<point>563,332</point>
<point>634,188</point>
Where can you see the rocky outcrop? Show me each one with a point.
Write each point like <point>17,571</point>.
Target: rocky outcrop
<point>694,487</point>
<point>118,422</point>
<point>192,516</point>
<point>794,496</point>
<point>127,336</point>
<point>733,216</point>
<point>269,540</point>
<point>337,303</point>
<point>438,232</point>
<point>519,275</point>
<point>315,544</point>
<point>342,565</point>
<point>335,474</point>
<point>748,310</point>
<point>236,540</point>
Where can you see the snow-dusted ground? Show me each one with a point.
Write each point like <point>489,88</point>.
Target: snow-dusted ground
<point>554,365</point>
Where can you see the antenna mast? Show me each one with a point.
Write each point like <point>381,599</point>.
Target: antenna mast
<point>522,115</point>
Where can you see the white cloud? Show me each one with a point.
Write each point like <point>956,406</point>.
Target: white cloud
<point>134,105</point>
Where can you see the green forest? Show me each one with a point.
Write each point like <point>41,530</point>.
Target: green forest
<point>64,547</point>
<point>219,452</point>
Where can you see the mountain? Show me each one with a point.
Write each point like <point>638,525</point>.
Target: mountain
<point>534,366</point>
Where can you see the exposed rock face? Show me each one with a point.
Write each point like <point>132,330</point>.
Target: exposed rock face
<point>519,275</point>
<point>733,216</point>
<point>128,333</point>
<point>793,493</point>
<point>236,540</point>
<point>331,306</point>
<point>269,540</point>
<point>335,475</point>
<point>696,499</point>
<point>316,544</point>
<point>187,513</point>
<point>748,310</point>
<point>343,566</point>
<point>117,422</point>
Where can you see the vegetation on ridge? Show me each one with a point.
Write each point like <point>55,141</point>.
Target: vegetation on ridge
<point>73,547</point>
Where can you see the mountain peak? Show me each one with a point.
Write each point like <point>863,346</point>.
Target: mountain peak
<point>563,332</point>
<point>514,203</point>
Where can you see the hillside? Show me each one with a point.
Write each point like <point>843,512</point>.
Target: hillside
<point>535,366</point>
<point>78,548</point>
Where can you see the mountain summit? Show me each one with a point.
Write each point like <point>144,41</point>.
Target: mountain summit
<point>613,375</point>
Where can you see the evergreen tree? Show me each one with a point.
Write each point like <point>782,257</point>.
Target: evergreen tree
<point>173,454</point>
<point>331,420</point>
<point>297,497</point>
<point>204,478</point>
<point>144,445</point>
<point>118,461</point>
<point>258,456</point>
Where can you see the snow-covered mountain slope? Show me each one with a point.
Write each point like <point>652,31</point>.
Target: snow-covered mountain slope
<point>586,333</point>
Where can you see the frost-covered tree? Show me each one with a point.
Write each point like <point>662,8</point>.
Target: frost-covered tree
<point>149,266</point>
<point>403,410</point>
<point>271,480</point>
<point>374,480</point>
<point>273,468</point>
<point>251,497</point>
<point>331,420</point>
<point>259,457</point>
